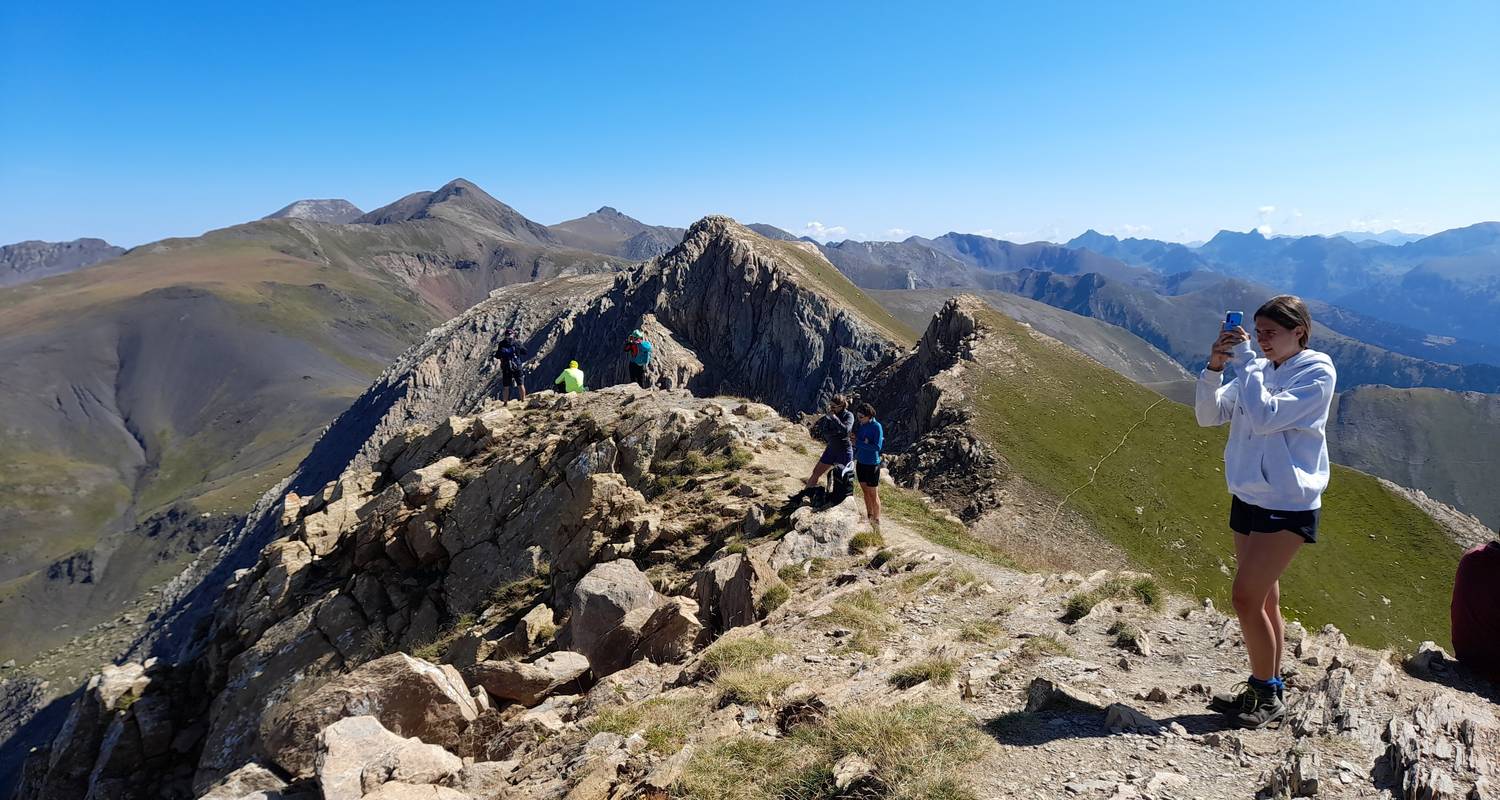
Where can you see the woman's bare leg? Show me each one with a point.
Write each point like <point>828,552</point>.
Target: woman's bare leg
<point>816,474</point>
<point>1266,556</point>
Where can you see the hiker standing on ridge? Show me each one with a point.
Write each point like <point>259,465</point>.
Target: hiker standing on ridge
<point>1276,465</point>
<point>639,351</point>
<point>569,380</point>
<point>869,438</point>
<point>836,430</point>
<point>512,355</point>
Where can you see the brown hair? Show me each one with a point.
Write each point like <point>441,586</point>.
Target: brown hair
<point>865,410</point>
<point>1288,311</point>
<point>839,400</point>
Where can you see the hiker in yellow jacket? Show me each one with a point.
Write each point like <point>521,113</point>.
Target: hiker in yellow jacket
<point>570,380</point>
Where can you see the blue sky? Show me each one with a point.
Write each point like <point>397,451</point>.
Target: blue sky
<point>136,121</point>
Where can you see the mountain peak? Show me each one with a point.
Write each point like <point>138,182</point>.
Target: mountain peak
<point>336,210</point>
<point>461,202</point>
<point>608,211</point>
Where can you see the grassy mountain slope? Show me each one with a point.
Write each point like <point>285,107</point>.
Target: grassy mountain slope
<point>1112,346</point>
<point>1445,443</point>
<point>1149,480</point>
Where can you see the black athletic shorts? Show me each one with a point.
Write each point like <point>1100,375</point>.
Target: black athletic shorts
<point>1247,519</point>
<point>868,474</point>
<point>509,376</point>
<point>638,375</point>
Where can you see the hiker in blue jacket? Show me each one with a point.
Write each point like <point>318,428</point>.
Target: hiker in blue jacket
<point>1276,465</point>
<point>512,355</point>
<point>869,439</point>
<point>639,351</point>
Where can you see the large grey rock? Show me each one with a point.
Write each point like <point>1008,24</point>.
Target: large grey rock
<point>601,602</point>
<point>407,695</point>
<point>528,684</point>
<point>356,755</point>
<point>671,631</point>
<point>822,533</point>
<point>729,589</point>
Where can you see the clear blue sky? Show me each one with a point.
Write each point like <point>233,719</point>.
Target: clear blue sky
<point>136,121</point>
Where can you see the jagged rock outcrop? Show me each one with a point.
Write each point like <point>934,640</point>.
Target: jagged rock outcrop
<point>33,260</point>
<point>927,407</point>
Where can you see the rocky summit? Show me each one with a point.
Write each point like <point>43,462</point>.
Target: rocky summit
<point>625,593</point>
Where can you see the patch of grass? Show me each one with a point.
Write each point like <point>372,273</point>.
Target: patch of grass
<point>753,686</point>
<point>1144,590</point>
<point>1126,635</point>
<point>916,580</point>
<point>741,652</point>
<point>776,595</point>
<point>905,506</point>
<point>736,547</point>
<point>1161,497</point>
<point>830,282</point>
<point>938,669</point>
<point>521,595</point>
<point>1038,647</point>
<point>953,579</point>
<point>791,574</point>
<point>979,630</point>
<point>865,540</point>
<point>881,558</point>
<point>864,615</point>
<point>918,751</point>
<point>799,448</point>
<point>664,723</point>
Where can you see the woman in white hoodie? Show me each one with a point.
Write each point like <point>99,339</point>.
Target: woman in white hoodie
<point>1276,465</point>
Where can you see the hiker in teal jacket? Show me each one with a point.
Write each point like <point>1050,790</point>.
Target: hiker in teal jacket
<point>639,351</point>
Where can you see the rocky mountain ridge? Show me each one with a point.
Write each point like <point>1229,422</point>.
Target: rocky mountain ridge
<point>606,595</point>
<point>33,260</point>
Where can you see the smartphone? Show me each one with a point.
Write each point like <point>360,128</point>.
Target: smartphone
<point>1233,319</point>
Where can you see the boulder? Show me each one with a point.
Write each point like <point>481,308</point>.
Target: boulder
<point>405,791</point>
<point>536,626</point>
<point>356,755</point>
<point>406,695</point>
<point>601,602</point>
<point>245,782</point>
<point>729,590</point>
<point>670,632</point>
<point>431,483</point>
<point>1044,695</point>
<point>528,684</point>
<point>817,534</point>
<point>1120,717</point>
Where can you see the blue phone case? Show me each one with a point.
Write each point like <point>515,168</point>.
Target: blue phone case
<point>1233,319</point>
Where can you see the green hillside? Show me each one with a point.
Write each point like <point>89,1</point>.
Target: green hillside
<point>1159,494</point>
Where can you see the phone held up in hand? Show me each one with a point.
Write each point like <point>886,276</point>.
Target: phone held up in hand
<point>1233,319</point>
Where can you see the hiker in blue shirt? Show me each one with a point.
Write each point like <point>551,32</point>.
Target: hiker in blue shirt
<point>639,351</point>
<point>869,438</point>
<point>512,355</point>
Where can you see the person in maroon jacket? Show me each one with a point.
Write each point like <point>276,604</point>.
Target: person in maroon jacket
<point>1476,611</point>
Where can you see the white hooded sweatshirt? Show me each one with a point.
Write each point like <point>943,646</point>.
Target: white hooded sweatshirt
<point>1277,454</point>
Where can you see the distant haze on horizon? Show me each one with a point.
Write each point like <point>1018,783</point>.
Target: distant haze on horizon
<point>135,123</point>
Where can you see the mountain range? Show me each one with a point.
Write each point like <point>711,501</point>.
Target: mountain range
<point>435,537</point>
<point>179,381</point>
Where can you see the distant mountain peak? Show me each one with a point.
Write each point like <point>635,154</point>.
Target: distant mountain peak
<point>32,260</point>
<point>608,211</point>
<point>461,201</point>
<point>335,210</point>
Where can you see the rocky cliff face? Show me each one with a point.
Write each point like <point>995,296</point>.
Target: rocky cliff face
<point>33,260</point>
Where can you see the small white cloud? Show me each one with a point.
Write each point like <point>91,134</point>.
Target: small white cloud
<point>897,234</point>
<point>1266,211</point>
<point>1265,230</point>
<point>824,233</point>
